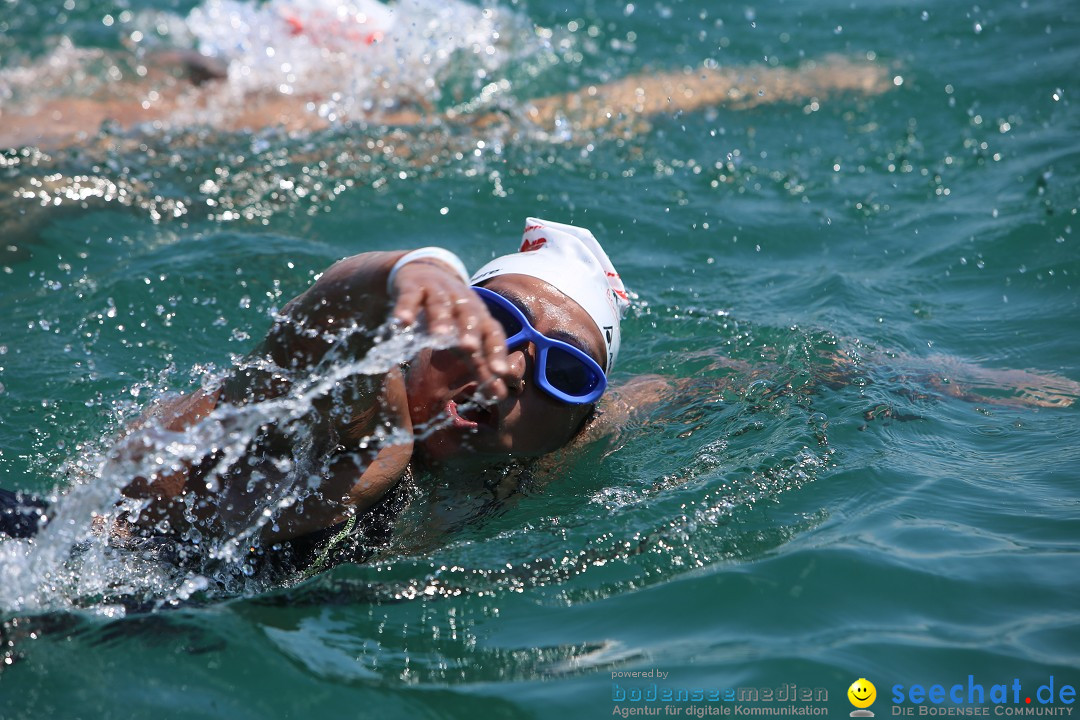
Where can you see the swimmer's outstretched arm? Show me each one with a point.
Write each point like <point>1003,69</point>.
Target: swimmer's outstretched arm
<point>950,376</point>
<point>636,97</point>
<point>936,375</point>
<point>695,88</point>
<point>352,297</point>
<point>168,100</point>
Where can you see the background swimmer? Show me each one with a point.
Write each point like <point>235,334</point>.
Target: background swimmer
<point>304,65</point>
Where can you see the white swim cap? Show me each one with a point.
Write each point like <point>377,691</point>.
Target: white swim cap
<point>570,259</point>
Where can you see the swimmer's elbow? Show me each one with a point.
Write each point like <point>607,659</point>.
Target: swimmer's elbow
<point>381,475</point>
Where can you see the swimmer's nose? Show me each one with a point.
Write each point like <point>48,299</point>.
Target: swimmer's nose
<point>515,378</point>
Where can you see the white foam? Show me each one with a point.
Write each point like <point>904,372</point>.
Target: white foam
<point>356,52</point>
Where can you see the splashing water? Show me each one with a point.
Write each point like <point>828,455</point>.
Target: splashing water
<point>76,560</point>
<point>330,61</point>
<point>359,55</point>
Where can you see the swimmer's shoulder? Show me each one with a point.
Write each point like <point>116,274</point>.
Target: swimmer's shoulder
<point>642,392</point>
<point>625,403</point>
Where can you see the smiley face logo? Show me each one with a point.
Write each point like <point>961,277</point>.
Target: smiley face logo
<point>862,694</point>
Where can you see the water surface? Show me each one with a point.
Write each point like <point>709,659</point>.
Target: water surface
<point>752,536</point>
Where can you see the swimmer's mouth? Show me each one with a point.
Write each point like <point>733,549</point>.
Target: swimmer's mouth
<point>471,415</point>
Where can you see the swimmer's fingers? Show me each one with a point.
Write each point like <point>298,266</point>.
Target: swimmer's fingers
<point>407,305</point>
<point>451,308</point>
<point>482,341</point>
<point>493,344</point>
<point>423,286</point>
<point>439,310</point>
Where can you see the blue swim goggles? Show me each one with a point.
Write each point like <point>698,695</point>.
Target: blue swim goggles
<point>563,371</point>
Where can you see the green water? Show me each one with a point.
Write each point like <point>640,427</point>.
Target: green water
<point>749,538</point>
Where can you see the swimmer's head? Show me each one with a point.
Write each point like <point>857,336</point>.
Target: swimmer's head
<point>571,260</point>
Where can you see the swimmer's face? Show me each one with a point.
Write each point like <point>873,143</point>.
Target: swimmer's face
<point>529,422</point>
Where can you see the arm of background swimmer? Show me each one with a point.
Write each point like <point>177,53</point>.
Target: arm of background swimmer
<point>697,88</point>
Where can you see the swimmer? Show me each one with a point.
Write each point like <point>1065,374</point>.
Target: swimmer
<point>173,95</point>
<point>192,91</point>
<point>530,340</point>
<point>305,65</point>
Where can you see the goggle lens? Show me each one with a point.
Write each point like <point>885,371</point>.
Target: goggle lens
<point>568,373</point>
<point>510,324</point>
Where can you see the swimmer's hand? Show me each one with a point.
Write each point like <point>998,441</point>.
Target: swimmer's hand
<point>953,377</point>
<point>1002,386</point>
<point>432,288</point>
<point>345,297</point>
